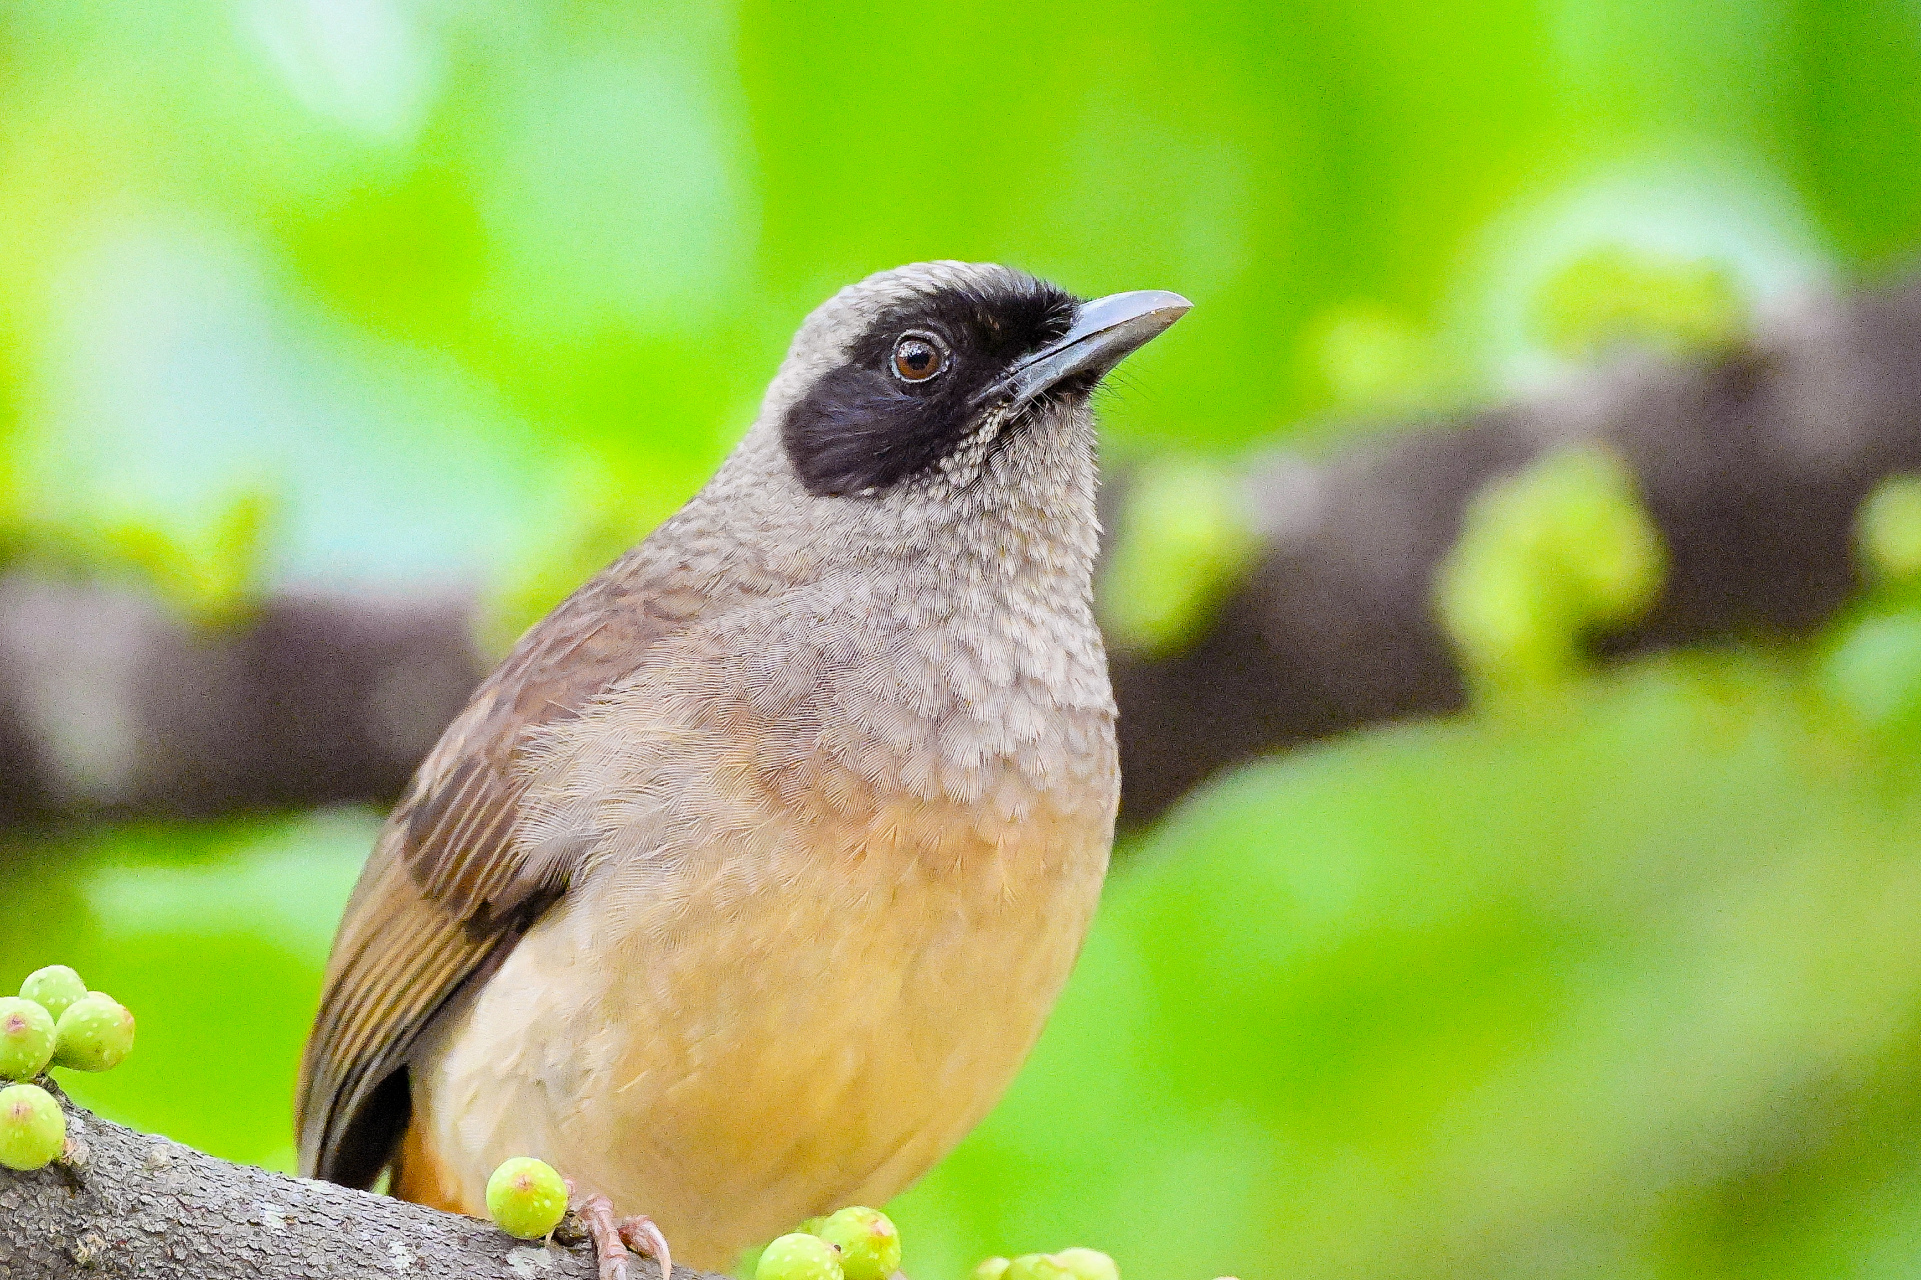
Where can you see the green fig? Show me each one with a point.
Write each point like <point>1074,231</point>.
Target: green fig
<point>94,1034</point>
<point>33,1130</point>
<point>26,1038</point>
<point>869,1243</point>
<point>53,988</point>
<point>1038,1266</point>
<point>799,1256</point>
<point>1089,1264</point>
<point>526,1198</point>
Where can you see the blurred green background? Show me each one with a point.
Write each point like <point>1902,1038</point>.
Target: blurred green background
<point>1619,980</point>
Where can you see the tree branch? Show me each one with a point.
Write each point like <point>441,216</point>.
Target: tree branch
<point>1752,467</point>
<point>132,1205</point>
<point>1751,464</point>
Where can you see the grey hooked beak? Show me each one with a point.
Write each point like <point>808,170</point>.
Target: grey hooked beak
<point>1105,332</point>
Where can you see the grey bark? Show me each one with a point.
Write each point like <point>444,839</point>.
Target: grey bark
<point>1752,464</point>
<point>130,1205</point>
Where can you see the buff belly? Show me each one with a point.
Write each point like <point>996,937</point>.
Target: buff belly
<point>732,1053</point>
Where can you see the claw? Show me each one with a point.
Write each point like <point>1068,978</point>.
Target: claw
<point>612,1238</point>
<point>644,1237</point>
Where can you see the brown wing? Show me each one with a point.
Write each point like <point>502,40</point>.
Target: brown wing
<point>448,891</point>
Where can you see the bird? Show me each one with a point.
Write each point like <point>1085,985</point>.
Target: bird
<point>744,885</point>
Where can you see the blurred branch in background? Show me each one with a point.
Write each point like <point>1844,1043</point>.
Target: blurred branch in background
<point>111,702</point>
<point>1751,465</point>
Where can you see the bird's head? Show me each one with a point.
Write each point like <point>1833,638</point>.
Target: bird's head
<point>936,412</point>
<point>915,377</point>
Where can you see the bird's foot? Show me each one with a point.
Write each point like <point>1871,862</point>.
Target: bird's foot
<point>613,1236</point>
<point>642,1236</point>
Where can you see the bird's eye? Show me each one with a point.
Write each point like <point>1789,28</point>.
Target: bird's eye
<point>918,357</point>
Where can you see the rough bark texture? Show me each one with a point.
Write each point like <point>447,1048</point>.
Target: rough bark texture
<point>1752,465</point>
<point>131,1205</point>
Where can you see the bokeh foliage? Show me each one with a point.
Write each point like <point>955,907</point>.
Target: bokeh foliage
<point>371,292</point>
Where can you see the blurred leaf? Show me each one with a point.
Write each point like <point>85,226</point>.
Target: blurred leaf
<point>1375,362</point>
<point>1543,557</point>
<point>1182,541</point>
<point>213,580</point>
<point>1620,297</point>
<point>1873,666</point>
<point>1888,529</point>
<point>212,577</point>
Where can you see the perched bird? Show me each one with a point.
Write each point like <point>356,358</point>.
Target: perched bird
<point>742,888</point>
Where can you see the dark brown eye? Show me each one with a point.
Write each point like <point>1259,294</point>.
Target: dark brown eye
<point>918,357</point>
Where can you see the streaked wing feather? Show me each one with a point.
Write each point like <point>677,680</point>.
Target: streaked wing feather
<point>448,889</point>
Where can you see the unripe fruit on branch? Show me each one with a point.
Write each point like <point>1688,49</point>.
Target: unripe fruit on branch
<point>868,1242</point>
<point>1038,1266</point>
<point>53,988</point>
<point>1089,1264</point>
<point>26,1038</point>
<point>799,1257</point>
<point>33,1130</point>
<point>94,1034</point>
<point>526,1198</point>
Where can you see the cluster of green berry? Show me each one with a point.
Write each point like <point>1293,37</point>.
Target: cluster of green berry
<point>527,1199</point>
<point>855,1243</point>
<point>1068,1264</point>
<point>861,1244</point>
<point>54,1021</point>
